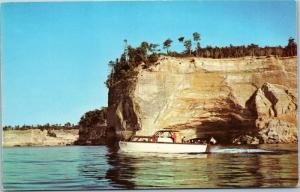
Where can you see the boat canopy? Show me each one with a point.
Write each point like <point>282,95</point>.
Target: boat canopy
<point>167,130</point>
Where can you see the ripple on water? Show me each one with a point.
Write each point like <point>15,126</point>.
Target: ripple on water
<point>96,168</point>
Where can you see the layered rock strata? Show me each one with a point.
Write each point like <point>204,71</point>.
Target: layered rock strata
<point>229,99</point>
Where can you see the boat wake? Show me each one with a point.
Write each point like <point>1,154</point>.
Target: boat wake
<point>238,150</point>
<point>165,155</point>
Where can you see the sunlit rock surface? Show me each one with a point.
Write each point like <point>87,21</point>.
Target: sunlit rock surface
<point>275,108</point>
<point>204,97</point>
<point>37,137</point>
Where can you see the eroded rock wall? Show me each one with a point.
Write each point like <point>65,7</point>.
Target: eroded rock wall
<point>275,108</point>
<point>202,97</point>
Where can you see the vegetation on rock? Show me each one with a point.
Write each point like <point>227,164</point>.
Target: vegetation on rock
<point>66,126</point>
<point>124,68</point>
<point>50,133</point>
<point>93,118</point>
<point>147,54</point>
<point>93,127</point>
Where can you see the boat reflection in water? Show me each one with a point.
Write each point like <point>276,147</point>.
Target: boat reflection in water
<point>156,170</point>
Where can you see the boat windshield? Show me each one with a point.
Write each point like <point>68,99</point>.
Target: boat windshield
<point>165,133</point>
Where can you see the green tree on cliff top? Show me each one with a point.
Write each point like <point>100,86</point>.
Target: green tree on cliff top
<point>181,39</point>
<point>196,37</point>
<point>167,44</point>
<point>188,46</point>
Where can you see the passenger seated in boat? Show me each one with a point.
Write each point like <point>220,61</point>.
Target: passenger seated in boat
<point>212,141</point>
<point>183,139</point>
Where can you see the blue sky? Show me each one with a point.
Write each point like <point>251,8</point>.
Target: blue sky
<point>55,55</point>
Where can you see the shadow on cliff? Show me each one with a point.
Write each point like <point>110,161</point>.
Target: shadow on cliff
<point>223,131</point>
<point>228,122</point>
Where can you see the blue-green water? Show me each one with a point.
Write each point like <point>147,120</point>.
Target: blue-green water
<point>95,168</point>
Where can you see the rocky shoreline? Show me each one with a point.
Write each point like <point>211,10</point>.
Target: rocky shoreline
<point>37,137</point>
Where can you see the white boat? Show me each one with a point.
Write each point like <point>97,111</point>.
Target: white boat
<point>159,144</point>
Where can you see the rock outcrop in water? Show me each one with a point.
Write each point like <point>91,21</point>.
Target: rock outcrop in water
<point>93,128</point>
<point>241,100</point>
<point>94,135</point>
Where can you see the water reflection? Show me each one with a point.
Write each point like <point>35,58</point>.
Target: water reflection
<point>235,170</point>
<point>84,168</point>
<point>131,170</point>
<point>92,166</point>
<point>121,171</point>
<point>157,170</point>
<point>279,170</point>
<point>276,169</point>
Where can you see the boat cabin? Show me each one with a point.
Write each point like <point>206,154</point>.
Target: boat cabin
<point>162,136</point>
<point>169,136</point>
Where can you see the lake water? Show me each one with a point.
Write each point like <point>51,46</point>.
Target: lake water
<point>97,167</point>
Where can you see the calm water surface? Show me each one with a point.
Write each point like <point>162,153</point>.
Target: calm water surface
<point>95,168</point>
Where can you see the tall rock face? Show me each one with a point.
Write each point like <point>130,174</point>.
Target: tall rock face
<point>275,108</point>
<point>229,99</point>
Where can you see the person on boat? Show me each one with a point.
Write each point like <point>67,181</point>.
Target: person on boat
<point>183,139</point>
<point>155,138</point>
<point>212,141</point>
<point>173,135</point>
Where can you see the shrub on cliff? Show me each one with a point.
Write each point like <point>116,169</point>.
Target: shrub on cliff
<point>92,118</point>
<point>153,58</point>
<point>167,44</point>
<point>51,133</point>
<point>124,68</point>
<point>93,127</point>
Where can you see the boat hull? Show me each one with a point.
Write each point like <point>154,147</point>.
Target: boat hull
<point>161,147</point>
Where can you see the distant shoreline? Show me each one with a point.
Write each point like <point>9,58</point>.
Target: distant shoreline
<point>39,138</point>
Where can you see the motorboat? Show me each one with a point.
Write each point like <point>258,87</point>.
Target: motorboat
<point>163,141</point>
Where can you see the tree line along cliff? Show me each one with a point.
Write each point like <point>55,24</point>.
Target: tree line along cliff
<point>147,54</point>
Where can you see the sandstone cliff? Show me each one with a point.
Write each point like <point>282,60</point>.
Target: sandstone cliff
<point>242,100</point>
<point>275,109</point>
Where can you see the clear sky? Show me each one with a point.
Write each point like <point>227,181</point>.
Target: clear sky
<point>55,55</point>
